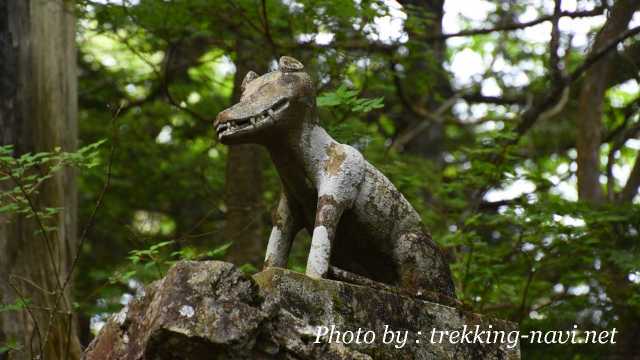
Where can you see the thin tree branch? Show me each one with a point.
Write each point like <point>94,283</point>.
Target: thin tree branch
<point>621,135</point>
<point>36,326</point>
<point>245,19</point>
<point>530,117</point>
<point>525,294</point>
<point>98,205</point>
<point>164,85</point>
<point>598,55</point>
<point>36,215</point>
<point>402,95</point>
<point>404,138</point>
<point>627,114</point>
<point>365,45</point>
<point>163,76</point>
<point>631,187</point>
<point>267,29</point>
<point>554,44</point>
<point>477,97</point>
<point>517,25</point>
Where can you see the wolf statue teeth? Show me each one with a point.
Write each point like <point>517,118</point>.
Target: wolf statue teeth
<point>358,220</point>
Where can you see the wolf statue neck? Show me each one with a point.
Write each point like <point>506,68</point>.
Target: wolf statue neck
<point>301,148</point>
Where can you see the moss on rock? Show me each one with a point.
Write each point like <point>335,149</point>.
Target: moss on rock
<point>212,310</point>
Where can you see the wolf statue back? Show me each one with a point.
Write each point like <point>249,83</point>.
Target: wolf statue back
<point>358,220</point>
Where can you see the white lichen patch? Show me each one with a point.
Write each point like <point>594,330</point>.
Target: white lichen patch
<point>187,311</point>
<point>274,246</point>
<point>121,316</point>
<point>318,262</point>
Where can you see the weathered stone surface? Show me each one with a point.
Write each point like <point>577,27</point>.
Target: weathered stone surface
<point>211,310</point>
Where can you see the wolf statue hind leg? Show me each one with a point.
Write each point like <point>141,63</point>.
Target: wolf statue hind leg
<point>422,266</point>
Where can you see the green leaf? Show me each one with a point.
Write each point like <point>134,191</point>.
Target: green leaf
<point>220,251</point>
<point>161,245</point>
<point>9,208</point>
<point>18,305</point>
<point>248,268</point>
<point>11,345</point>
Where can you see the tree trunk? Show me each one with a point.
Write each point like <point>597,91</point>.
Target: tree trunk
<point>425,76</point>
<point>629,332</point>
<point>589,124</point>
<point>244,219</point>
<point>588,139</point>
<point>38,108</point>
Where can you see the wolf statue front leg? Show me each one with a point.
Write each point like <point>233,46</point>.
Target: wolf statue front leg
<point>285,227</point>
<point>324,232</point>
<point>339,177</point>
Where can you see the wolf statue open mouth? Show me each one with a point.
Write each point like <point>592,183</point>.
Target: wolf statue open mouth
<point>361,224</point>
<point>264,118</point>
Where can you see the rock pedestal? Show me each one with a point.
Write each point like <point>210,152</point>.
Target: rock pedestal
<point>211,310</point>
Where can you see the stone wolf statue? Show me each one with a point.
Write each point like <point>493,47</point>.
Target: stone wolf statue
<point>359,221</point>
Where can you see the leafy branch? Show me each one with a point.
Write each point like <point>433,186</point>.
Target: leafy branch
<point>348,100</point>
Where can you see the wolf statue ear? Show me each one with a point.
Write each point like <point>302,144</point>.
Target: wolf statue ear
<point>251,75</point>
<point>289,64</point>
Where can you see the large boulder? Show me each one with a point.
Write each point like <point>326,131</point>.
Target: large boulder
<point>211,310</point>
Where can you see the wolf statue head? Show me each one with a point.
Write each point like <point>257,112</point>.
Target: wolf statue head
<point>276,102</point>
